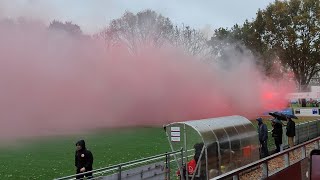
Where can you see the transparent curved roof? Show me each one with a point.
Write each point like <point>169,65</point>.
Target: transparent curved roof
<point>230,142</point>
<point>221,129</point>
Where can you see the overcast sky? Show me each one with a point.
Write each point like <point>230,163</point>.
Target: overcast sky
<point>93,15</point>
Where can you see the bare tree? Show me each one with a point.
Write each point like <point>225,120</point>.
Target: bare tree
<point>136,30</point>
<point>147,28</point>
<point>191,41</point>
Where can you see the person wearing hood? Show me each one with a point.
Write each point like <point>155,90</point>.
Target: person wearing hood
<point>83,160</point>
<point>263,138</point>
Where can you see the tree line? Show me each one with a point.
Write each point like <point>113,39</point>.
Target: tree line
<point>285,32</point>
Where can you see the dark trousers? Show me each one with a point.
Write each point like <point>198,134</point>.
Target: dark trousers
<point>264,149</point>
<point>87,175</point>
<point>277,142</point>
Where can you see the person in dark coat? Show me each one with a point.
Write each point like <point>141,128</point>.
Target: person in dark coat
<point>291,131</point>
<point>277,133</point>
<point>263,138</point>
<point>83,160</point>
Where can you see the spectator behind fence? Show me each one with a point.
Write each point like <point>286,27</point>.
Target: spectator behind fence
<point>277,133</point>
<point>263,138</point>
<point>83,160</point>
<point>291,131</point>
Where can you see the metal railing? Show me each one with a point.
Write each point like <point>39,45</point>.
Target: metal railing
<point>304,132</point>
<point>310,130</point>
<point>262,166</point>
<point>118,168</point>
<point>307,130</point>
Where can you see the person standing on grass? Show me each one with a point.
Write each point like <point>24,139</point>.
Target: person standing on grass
<point>263,138</point>
<point>83,160</point>
<point>291,131</point>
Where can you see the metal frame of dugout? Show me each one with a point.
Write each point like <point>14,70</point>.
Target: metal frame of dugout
<point>218,145</point>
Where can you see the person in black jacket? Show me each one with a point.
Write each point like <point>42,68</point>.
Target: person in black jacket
<point>291,131</point>
<point>263,138</point>
<point>83,160</point>
<point>277,133</point>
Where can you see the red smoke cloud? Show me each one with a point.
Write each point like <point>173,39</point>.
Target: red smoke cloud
<point>53,83</point>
